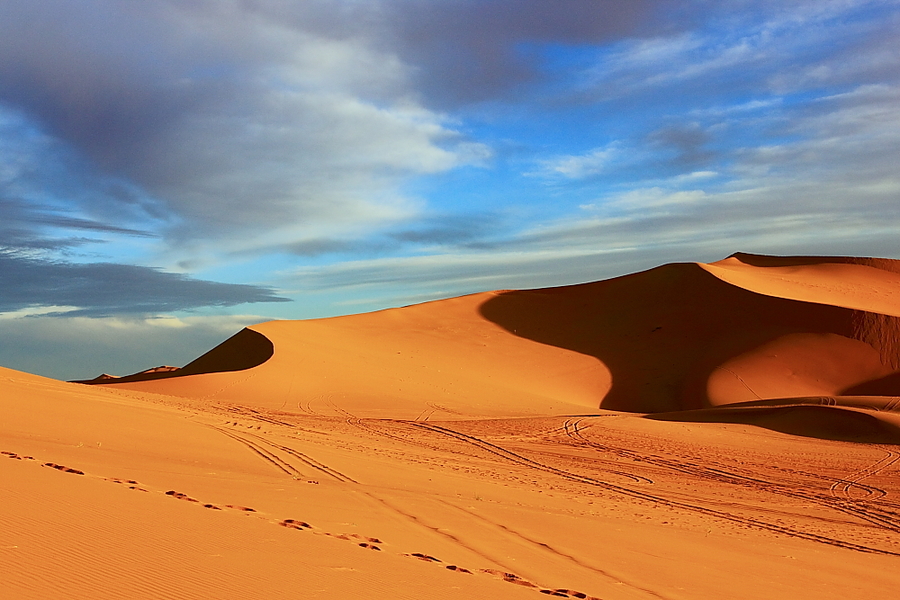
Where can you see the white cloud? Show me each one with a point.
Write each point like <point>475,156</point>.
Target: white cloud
<point>580,166</point>
<point>250,124</point>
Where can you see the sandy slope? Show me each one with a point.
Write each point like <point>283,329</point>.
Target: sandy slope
<point>471,448</point>
<point>681,336</point>
<point>437,358</point>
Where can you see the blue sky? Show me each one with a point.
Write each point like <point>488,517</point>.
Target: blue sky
<point>173,170</point>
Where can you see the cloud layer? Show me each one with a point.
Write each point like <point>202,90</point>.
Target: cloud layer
<point>172,155</point>
<point>248,120</point>
<point>103,289</point>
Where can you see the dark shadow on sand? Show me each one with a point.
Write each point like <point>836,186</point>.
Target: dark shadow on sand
<point>244,350</point>
<point>661,332</point>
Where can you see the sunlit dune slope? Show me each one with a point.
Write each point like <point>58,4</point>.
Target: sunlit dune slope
<point>435,358</point>
<point>677,337</point>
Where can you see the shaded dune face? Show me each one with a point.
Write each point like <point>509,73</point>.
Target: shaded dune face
<point>677,338</point>
<point>802,418</point>
<point>244,350</point>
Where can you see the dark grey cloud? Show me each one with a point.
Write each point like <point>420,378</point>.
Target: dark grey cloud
<point>451,230</point>
<point>324,246</point>
<point>21,222</point>
<point>445,231</point>
<point>687,144</point>
<point>103,289</point>
<point>239,118</point>
<point>470,50</point>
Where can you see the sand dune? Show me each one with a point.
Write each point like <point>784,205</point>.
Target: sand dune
<point>689,432</point>
<point>439,357</point>
<point>678,337</point>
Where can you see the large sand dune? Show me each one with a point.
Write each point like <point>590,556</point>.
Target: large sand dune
<point>678,337</point>
<point>724,430</point>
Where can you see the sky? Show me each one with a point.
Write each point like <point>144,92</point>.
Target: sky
<point>174,170</point>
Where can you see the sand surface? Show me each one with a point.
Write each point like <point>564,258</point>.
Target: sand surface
<point>694,431</point>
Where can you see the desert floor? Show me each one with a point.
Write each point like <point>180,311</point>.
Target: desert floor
<point>113,493</point>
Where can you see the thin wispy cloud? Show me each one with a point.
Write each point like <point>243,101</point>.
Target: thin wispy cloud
<point>104,289</point>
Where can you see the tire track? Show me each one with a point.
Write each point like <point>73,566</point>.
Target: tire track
<point>842,487</point>
<point>553,551</point>
<point>262,453</point>
<point>892,405</point>
<point>355,421</point>
<point>637,494</point>
<point>281,464</point>
<point>872,515</point>
<point>307,460</point>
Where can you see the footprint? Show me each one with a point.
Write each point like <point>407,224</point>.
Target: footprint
<point>369,546</point>
<point>241,508</point>
<point>509,577</point>
<point>16,456</point>
<point>294,524</point>
<point>132,484</point>
<point>425,557</point>
<point>180,496</point>
<point>458,569</point>
<point>63,468</point>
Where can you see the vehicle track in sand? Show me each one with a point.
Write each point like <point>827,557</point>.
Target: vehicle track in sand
<point>508,455</point>
<point>842,488</point>
<point>879,516</point>
<point>257,445</point>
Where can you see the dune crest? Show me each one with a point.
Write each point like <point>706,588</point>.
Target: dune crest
<point>435,358</point>
<point>244,350</point>
<point>678,337</point>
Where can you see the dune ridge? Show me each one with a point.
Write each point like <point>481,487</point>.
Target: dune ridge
<point>244,350</point>
<point>678,337</point>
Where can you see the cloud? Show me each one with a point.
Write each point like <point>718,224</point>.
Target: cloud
<point>101,289</point>
<point>592,163</point>
<point>468,51</point>
<point>686,142</point>
<point>261,121</point>
<point>741,49</point>
<point>447,230</point>
<point>823,181</point>
<point>234,129</point>
<point>422,234</point>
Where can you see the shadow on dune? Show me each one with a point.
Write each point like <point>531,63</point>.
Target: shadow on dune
<point>662,332</point>
<point>885,386</point>
<point>244,350</point>
<point>808,420</point>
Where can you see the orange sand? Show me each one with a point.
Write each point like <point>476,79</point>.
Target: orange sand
<point>491,446</point>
